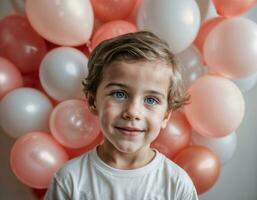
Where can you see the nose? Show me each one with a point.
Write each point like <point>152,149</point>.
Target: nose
<point>132,111</point>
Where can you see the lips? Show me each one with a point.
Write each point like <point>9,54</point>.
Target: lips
<point>130,131</point>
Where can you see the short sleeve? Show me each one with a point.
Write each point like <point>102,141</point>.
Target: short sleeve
<point>56,191</point>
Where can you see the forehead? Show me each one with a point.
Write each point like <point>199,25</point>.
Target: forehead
<point>154,75</point>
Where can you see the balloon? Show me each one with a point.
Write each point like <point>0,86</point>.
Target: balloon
<point>230,48</point>
<point>217,106</point>
<point>113,9</point>
<point>19,6</point>
<point>192,66</point>
<point>201,164</point>
<point>223,147</point>
<point>177,22</point>
<point>62,71</point>
<point>73,125</point>
<point>67,23</point>
<point>79,151</point>
<point>20,44</point>
<point>205,29</point>
<point>247,83</point>
<point>175,136</point>
<point>133,15</point>
<point>207,9</point>
<point>10,77</point>
<point>35,157</point>
<point>24,110</point>
<point>112,29</point>
<point>231,8</point>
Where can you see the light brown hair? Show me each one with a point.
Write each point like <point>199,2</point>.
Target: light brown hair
<point>134,47</point>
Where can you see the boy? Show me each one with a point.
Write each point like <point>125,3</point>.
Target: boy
<point>132,86</point>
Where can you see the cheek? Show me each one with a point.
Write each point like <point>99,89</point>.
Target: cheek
<point>108,113</point>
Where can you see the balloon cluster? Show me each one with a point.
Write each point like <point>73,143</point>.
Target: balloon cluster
<point>44,50</point>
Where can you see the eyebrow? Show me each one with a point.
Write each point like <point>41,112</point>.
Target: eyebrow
<point>124,86</point>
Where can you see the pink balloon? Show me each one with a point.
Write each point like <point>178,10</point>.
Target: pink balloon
<point>217,106</point>
<point>62,22</point>
<point>10,77</point>
<point>112,29</point>
<point>230,48</point>
<point>72,124</point>
<point>201,164</point>
<point>35,157</point>
<point>231,8</point>
<point>133,15</point>
<point>113,9</point>
<point>205,29</point>
<point>20,44</point>
<point>175,136</point>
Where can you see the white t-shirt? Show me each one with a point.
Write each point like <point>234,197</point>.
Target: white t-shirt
<point>89,178</point>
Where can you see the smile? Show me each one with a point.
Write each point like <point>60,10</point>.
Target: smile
<point>129,131</point>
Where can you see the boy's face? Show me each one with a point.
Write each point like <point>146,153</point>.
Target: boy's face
<point>131,104</point>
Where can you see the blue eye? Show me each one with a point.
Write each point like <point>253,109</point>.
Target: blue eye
<point>119,95</point>
<point>151,100</point>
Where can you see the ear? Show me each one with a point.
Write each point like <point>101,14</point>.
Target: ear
<point>92,105</point>
<point>166,119</point>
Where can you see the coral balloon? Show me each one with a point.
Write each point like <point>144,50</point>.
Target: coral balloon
<point>112,29</point>
<point>79,151</point>
<point>20,44</point>
<point>67,23</point>
<point>230,48</point>
<point>175,21</point>
<point>112,9</point>
<point>24,110</point>
<point>133,15</point>
<point>223,147</point>
<point>175,136</point>
<point>231,8</point>
<point>191,62</point>
<point>217,106</point>
<point>35,157</point>
<point>205,28</point>
<point>72,124</point>
<point>201,164</point>
<point>61,73</point>
<point>10,77</point>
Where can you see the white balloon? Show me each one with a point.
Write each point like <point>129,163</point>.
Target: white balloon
<point>247,83</point>
<point>24,110</point>
<point>176,21</point>
<point>223,147</point>
<point>191,62</point>
<point>61,73</point>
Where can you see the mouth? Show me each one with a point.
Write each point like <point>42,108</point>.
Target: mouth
<point>129,131</point>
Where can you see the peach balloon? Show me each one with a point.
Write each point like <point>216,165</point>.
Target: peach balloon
<point>113,9</point>
<point>35,157</point>
<point>20,44</point>
<point>79,151</point>
<point>112,29</point>
<point>175,136</point>
<point>72,124</point>
<point>217,106</point>
<point>231,8</point>
<point>201,164</point>
<point>230,48</point>
<point>205,29</point>
<point>67,23</point>
<point>10,77</point>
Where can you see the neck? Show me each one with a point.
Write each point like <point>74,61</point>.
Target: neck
<point>119,160</point>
